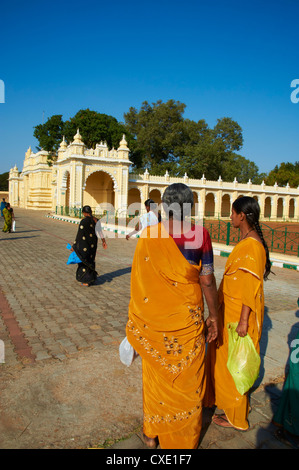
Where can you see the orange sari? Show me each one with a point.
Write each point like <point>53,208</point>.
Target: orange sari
<point>166,328</point>
<point>242,284</point>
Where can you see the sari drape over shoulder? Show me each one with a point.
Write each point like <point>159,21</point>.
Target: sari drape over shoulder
<point>166,328</point>
<point>242,284</point>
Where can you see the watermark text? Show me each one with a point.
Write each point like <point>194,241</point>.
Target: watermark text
<point>295,353</point>
<point>295,93</point>
<point>2,92</point>
<point>2,352</point>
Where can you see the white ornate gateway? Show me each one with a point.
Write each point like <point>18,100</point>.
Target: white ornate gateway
<point>100,178</point>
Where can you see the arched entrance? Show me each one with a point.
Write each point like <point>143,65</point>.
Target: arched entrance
<point>292,208</point>
<point>210,205</point>
<point>194,211</point>
<point>267,212</point>
<point>99,189</point>
<point>155,195</point>
<point>134,201</point>
<point>280,207</point>
<point>225,206</point>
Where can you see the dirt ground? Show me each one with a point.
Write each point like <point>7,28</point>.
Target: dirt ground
<point>82,402</point>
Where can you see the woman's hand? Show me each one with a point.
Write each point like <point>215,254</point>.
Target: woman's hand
<point>242,328</point>
<point>211,330</point>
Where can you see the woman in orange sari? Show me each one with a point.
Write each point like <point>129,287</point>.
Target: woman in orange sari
<point>166,325</point>
<point>241,300</point>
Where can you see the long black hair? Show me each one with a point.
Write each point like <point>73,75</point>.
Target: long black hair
<point>250,207</point>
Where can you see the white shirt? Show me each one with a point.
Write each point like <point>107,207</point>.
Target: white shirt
<point>149,218</point>
<point>98,229</point>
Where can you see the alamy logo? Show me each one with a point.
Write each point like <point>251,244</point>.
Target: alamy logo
<point>295,353</point>
<point>295,93</point>
<point>2,92</point>
<point>2,352</point>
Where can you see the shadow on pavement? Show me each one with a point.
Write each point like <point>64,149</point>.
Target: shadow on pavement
<point>108,277</point>
<point>275,392</point>
<point>9,237</point>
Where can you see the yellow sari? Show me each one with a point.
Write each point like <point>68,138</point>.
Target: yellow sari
<point>7,220</point>
<point>242,284</point>
<point>166,328</point>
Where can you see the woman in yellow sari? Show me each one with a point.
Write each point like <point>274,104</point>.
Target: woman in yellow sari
<point>241,300</point>
<point>8,218</point>
<point>166,325</point>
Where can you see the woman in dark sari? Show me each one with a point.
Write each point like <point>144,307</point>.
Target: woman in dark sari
<point>85,247</point>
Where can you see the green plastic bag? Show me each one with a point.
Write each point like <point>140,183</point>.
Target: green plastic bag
<point>243,359</point>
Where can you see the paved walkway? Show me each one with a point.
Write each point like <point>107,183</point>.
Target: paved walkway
<point>62,384</point>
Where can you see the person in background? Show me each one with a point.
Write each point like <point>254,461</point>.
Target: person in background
<point>85,246</point>
<point>99,232</point>
<point>2,205</point>
<point>8,215</point>
<point>173,262</point>
<point>286,416</point>
<point>241,300</point>
<point>151,217</point>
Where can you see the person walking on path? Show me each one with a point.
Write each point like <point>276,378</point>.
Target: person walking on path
<point>8,215</point>
<point>151,217</point>
<point>99,232</point>
<point>241,300</point>
<point>166,324</point>
<point>85,247</point>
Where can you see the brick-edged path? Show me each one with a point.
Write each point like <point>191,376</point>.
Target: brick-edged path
<point>62,384</point>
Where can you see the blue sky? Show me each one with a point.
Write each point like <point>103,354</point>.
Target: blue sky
<point>220,58</point>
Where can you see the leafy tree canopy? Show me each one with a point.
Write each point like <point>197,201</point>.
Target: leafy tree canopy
<point>94,128</point>
<point>283,174</point>
<point>4,181</point>
<point>158,132</point>
<point>165,140</point>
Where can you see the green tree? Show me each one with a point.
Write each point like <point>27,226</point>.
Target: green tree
<point>4,181</point>
<point>236,166</point>
<point>202,154</point>
<point>212,152</point>
<point>159,134</point>
<point>164,140</point>
<point>94,127</point>
<point>229,133</point>
<point>283,174</point>
<point>49,135</point>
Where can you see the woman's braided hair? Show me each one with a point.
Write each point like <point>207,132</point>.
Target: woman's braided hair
<point>250,207</point>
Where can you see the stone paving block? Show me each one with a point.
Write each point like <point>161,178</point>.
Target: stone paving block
<point>65,342</point>
<point>266,410</point>
<point>237,442</point>
<point>42,355</point>
<point>255,417</point>
<point>261,437</point>
<point>134,442</point>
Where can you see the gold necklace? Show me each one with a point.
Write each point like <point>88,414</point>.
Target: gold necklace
<point>248,233</point>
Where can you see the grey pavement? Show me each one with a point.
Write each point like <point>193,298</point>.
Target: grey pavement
<point>62,384</point>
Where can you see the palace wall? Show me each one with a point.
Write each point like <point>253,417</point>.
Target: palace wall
<point>100,178</point>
